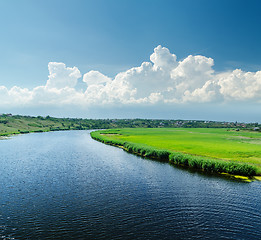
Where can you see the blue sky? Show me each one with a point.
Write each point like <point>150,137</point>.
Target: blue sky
<point>113,36</point>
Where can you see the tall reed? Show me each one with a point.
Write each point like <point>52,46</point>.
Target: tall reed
<point>186,160</point>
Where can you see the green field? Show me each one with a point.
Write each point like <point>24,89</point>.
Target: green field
<point>219,144</point>
<point>218,150</point>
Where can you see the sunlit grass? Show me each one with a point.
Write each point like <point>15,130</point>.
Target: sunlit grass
<point>216,144</point>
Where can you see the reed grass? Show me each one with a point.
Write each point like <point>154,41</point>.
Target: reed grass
<point>177,158</point>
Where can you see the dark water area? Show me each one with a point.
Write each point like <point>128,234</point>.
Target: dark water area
<point>64,185</point>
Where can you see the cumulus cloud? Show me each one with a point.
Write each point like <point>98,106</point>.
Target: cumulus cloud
<point>240,85</point>
<point>61,76</point>
<point>160,81</point>
<point>95,78</point>
<point>163,59</point>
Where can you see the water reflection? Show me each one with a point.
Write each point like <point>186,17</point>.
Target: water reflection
<point>64,185</point>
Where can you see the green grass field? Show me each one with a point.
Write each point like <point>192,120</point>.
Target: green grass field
<point>16,125</point>
<point>220,144</point>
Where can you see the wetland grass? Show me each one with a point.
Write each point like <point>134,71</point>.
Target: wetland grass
<point>156,144</point>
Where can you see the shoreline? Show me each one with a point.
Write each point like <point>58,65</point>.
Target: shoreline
<point>243,172</point>
<point>159,155</point>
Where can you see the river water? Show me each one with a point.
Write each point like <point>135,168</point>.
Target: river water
<point>64,185</point>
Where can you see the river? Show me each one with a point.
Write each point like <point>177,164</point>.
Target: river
<point>65,185</point>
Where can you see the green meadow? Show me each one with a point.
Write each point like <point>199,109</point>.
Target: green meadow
<point>219,145</point>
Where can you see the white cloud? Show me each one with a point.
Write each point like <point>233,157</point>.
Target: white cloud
<point>163,59</point>
<point>43,95</point>
<point>240,85</point>
<point>164,80</point>
<point>16,96</point>
<point>61,76</point>
<point>95,78</point>
<point>193,72</point>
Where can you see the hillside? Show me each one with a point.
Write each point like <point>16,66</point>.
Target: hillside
<point>16,124</point>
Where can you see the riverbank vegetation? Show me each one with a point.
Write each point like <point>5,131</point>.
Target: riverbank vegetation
<point>16,124</point>
<point>211,146</point>
<point>210,150</point>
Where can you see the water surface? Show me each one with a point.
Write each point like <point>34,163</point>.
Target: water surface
<point>64,185</point>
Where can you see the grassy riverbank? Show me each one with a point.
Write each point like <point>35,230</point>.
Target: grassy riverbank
<point>16,124</point>
<point>210,150</point>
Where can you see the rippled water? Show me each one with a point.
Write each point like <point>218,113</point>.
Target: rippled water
<point>64,185</point>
